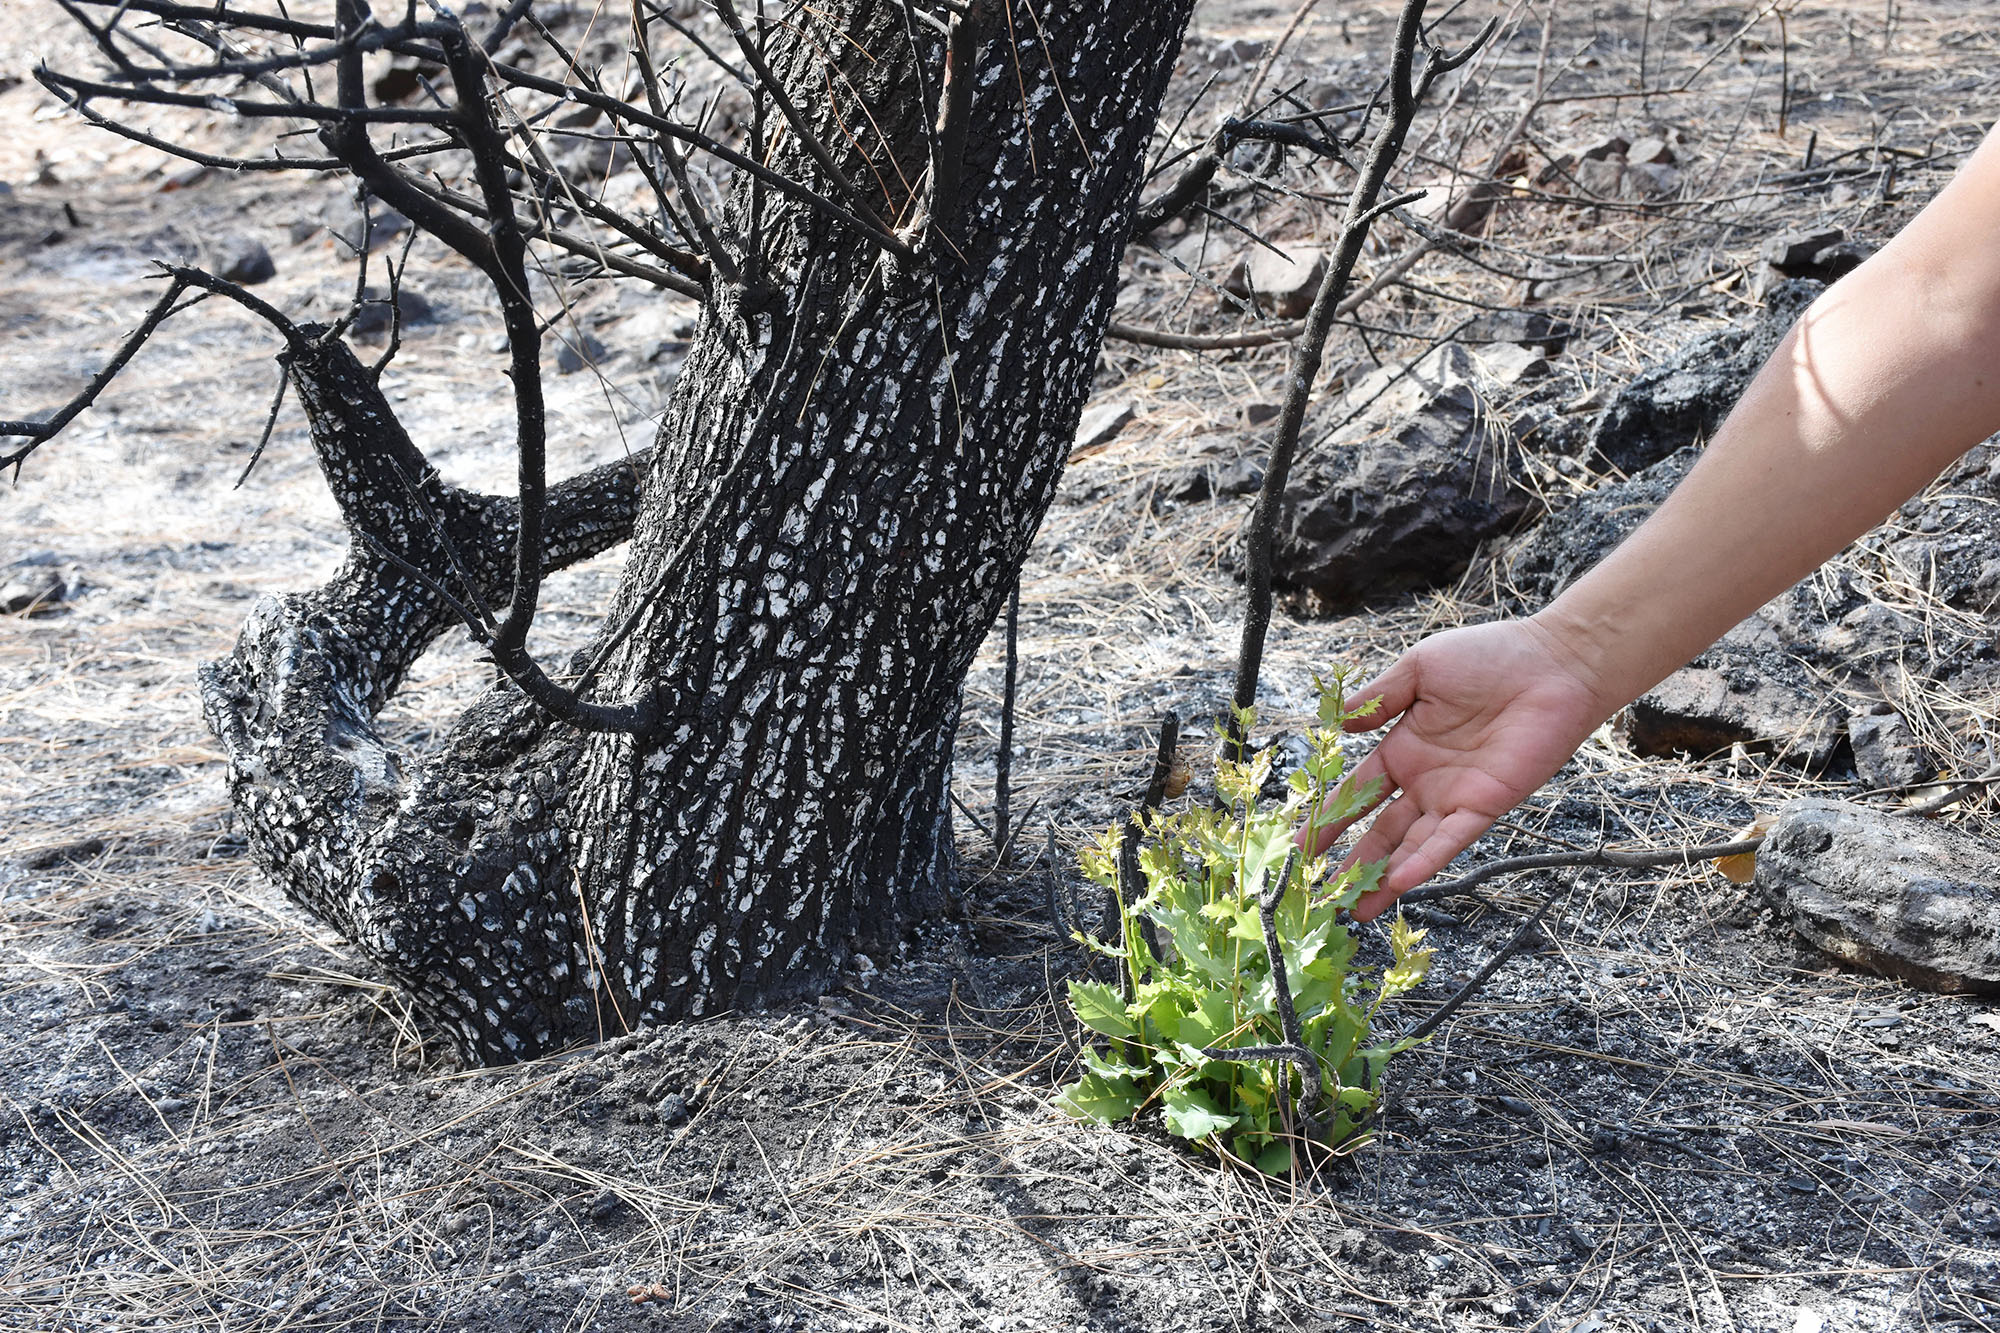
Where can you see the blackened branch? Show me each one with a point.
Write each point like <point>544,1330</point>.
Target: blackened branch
<point>1308,353</point>
<point>180,279</point>
<point>1294,1051</point>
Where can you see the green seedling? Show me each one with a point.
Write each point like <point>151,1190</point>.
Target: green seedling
<point>1238,1011</point>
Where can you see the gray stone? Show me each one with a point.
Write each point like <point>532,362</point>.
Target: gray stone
<point>1904,897</point>
<point>577,349</point>
<point>372,320</point>
<point>1887,753</point>
<point>1101,424</point>
<point>1747,690</point>
<point>1652,180</point>
<point>1546,333</point>
<point>1651,151</point>
<point>1402,496</point>
<point>1601,177</point>
<point>28,590</point>
<point>245,261</point>
<point>1282,283</point>
<point>1792,250</point>
<point>1822,254</point>
<point>1583,532</point>
<point>1243,477</point>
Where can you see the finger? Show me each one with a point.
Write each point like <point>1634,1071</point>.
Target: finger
<point>1387,833</point>
<point>1433,850</point>
<point>1369,769</point>
<point>1397,689</point>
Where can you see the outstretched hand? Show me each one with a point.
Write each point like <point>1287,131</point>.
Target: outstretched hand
<point>1484,716</point>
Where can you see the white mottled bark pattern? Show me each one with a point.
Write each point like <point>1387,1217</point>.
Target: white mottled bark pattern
<point>843,490</point>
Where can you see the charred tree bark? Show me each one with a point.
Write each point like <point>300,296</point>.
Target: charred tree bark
<point>843,489</point>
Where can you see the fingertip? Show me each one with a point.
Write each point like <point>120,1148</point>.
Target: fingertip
<point>1392,692</point>
<point>1374,902</point>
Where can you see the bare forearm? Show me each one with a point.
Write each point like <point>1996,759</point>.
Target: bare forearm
<point>1890,376</point>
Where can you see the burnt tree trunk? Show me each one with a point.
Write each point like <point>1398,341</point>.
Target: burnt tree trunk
<point>844,487</point>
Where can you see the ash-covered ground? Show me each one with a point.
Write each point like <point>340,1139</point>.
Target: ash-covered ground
<point>1664,1113</point>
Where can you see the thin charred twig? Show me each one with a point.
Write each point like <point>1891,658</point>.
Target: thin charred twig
<point>181,278</point>
<point>1596,856</point>
<point>1061,918</point>
<point>1436,1018</point>
<point>1288,135</point>
<point>504,256</point>
<point>545,176</point>
<point>1003,762</point>
<point>395,343</point>
<point>1203,342</point>
<point>85,89</point>
<point>665,14</point>
<point>1970,787</point>
<point>1163,760</point>
<point>1007,843</point>
<point>691,269</point>
<point>270,423</point>
<point>1195,178</point>
<point>694,138</point>
<point>977,822</point>
<point>954,112</point>
<point>703,232</point>
<point>1156,792</point>
<point>801,127</point>
<point>1406,90</point>
<point>1294,1049</point>
<point>37,432</point>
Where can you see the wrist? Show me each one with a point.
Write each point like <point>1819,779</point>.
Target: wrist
<point>1595,648</point>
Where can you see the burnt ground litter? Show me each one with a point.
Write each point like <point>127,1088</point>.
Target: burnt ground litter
<point>1665,1112</point>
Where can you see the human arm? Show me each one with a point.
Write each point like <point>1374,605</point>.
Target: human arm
<point>1888,377</point>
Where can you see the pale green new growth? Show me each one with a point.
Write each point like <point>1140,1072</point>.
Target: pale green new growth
<point>1204,871</point>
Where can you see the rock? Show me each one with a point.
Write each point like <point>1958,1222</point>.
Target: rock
<point>1651,151</point>
<point>1241,51</point>
<point>1597,150</point>
<point>1673,403</point>
<point>1187,485</point>
<point>1508,362</point>
<point>1887,753</point>
<point>1904,897</point>
<point>1583,532</point>
<point>384,224</point>
<point>1601,178</point>
<point>577,349</point>
<point>1535,328</point>
<point>244,261</point>
<point>372,320</point>
<point>51,855</point>
<point>1822,254</point>
<point>1243,477</point>
<point>1256,414</point>
<point>1747,690</point>
<point>1751,688</point>
<point>1837,260</point>
<point>404,78</point>
<point>1101,424</point>
<point>1402,496</point>
<point>1792,250</point>
<point>1281,282</point>
<point>1652,180</point>
<point>33,589</point>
